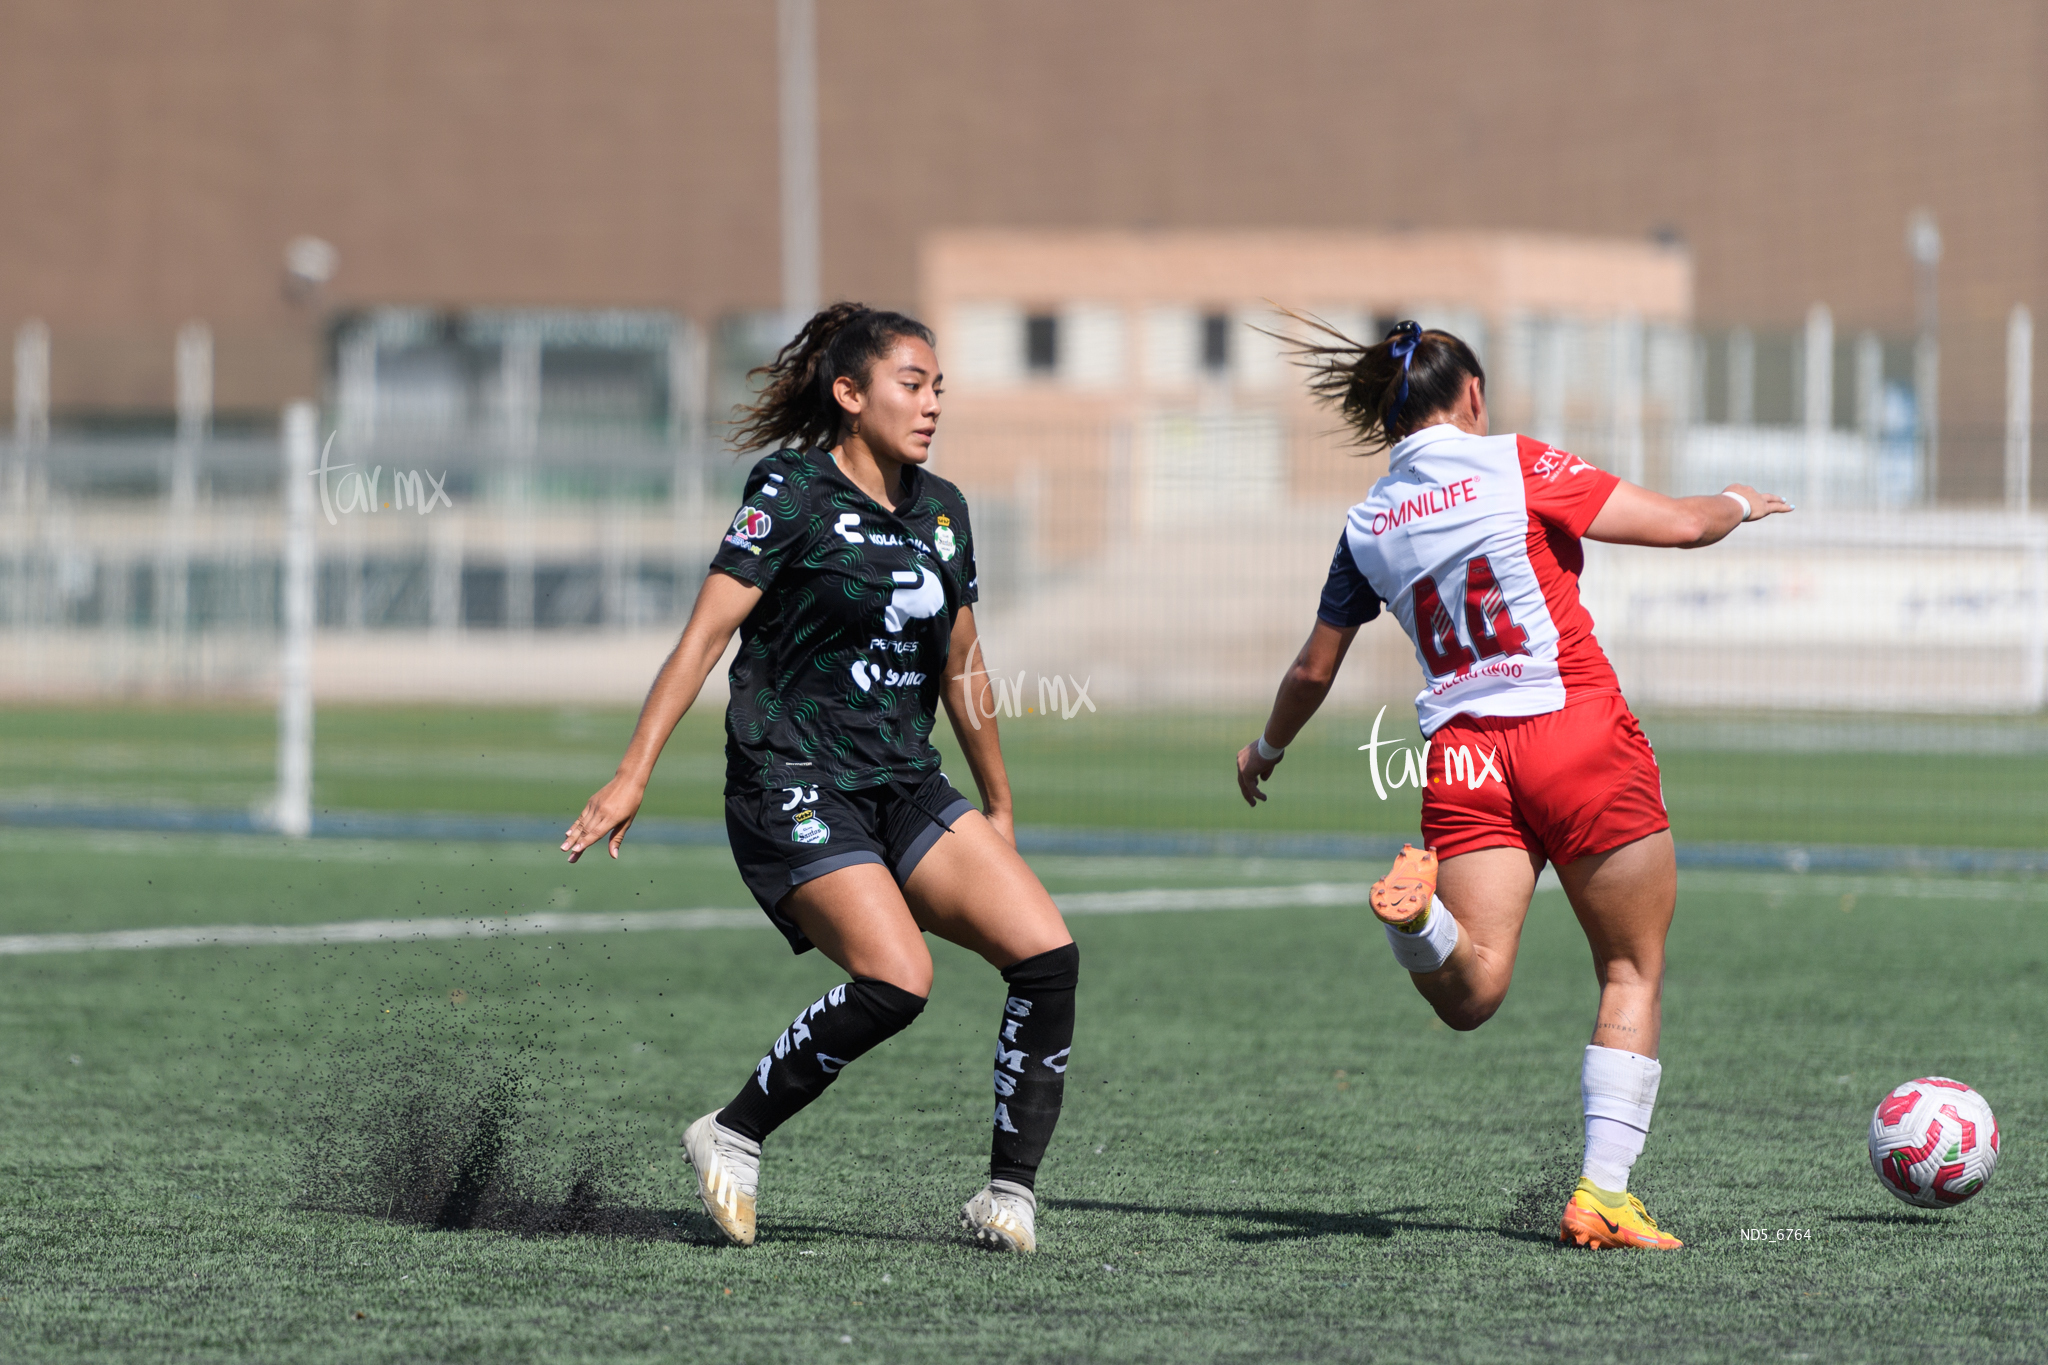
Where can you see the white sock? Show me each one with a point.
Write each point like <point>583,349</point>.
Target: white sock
<point>1620,1093</point>
<point>1428,948</point>
<point>1611,1148</point>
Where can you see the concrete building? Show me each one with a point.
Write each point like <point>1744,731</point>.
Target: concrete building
<point>1148,371</point>
<point>621,154</point>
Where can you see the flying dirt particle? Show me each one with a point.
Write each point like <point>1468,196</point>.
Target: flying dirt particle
<point>465,1119</point>
<point>449,1139</point>
<point>1554,1168</point>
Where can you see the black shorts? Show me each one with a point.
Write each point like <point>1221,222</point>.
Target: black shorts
<point>786,836</point>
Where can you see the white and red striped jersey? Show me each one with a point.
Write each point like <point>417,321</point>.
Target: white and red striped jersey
<point>1474,543</point>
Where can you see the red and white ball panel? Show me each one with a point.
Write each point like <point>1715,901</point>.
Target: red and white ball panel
<point>1933,1142</point>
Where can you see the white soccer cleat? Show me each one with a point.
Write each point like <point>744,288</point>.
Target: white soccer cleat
<point>728,1176</point>
<point>1001,1217</point>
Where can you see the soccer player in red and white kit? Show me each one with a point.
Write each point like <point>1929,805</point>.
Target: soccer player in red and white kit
<point>1532,755</point>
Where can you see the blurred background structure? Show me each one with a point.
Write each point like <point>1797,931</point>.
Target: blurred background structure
<point>522,257</point>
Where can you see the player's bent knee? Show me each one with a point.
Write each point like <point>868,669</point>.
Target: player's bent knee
<point>915,977</point>
<point>1468,1015</point>
<point>907,967</point>
<point>1058,969</point>
<point>894,1007</point>
<point>1468,1012</point>
<point>1029,945</point>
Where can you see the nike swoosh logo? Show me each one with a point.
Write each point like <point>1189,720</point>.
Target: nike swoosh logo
<point>1612,1227</point>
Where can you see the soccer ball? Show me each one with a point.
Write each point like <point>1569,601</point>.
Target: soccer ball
<point>1933,1142</point>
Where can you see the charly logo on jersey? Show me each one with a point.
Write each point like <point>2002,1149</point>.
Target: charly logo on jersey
<point>942,539</point>
<point>749,524</point>
<point>917,596</point>
<point>809,829</point>
<point>848,528</point>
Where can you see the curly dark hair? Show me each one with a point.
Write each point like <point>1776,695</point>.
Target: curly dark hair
<point>796,407</point>
<point>1366,383</point>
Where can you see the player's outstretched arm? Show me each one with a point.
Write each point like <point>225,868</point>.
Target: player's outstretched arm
<point>971,709</point>
<point>1302,690</point>
<point>1634,515</point>
<point>722,604</point>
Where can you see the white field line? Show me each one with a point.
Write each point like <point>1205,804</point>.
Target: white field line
<point>1146,901</point>
<point>374,931</point>
<point>1900,888</point>
<point>406,931</point>
<point>1212,898</point>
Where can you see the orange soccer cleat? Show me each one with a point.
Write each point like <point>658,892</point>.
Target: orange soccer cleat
<point>1401,898</point>
<point>1601,1218</point>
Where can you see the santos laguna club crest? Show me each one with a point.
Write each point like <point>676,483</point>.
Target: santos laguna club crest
<point>810,829</point>
<point>942,539</point>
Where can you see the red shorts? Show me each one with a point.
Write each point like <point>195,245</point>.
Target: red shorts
<point>1564,785</point>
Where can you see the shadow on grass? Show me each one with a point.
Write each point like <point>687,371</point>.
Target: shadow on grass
<point>1283,1225</point>
<point>938,1232</point>
<point>544,1219</point>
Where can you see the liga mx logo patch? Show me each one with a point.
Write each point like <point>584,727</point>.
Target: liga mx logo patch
<point>809,829</point>
<point>749,525</point>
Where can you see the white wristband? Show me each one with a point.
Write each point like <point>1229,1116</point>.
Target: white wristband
<point>1740,501</point>
<point>1267,751</point>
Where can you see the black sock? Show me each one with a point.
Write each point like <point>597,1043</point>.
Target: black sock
<point>844,1023</point>
<point>1031,1061</point>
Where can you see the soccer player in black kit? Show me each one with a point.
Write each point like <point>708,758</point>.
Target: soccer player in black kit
<point>849,573</point>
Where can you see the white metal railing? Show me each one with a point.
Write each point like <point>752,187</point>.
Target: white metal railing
<point>1175,560</point>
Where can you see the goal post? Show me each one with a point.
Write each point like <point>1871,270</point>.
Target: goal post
<point>292,812</point>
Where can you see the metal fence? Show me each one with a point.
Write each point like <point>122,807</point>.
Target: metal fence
<point>1172,562</point>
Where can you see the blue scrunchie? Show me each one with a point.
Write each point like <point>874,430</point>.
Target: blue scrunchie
<point>1405,336</point>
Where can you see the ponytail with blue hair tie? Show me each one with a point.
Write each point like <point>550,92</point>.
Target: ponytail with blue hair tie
<point>1405,336</point>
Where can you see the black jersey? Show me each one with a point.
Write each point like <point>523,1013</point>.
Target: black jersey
<point>840,664</point>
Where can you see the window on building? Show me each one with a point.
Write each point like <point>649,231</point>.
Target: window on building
<point>1041,343</point>
<point>1216,342</point>
<point>420,371</point>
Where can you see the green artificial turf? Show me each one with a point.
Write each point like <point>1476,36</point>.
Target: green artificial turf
<point>1270,1149</point>
<point>1953,781</point>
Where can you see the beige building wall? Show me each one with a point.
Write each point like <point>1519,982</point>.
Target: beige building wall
<point>1168,349</point>
<point>155,158</point>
